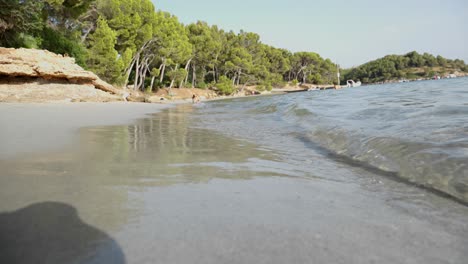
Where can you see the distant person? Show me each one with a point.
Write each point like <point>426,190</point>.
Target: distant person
<point>125,96</point>
<point>195,98</point>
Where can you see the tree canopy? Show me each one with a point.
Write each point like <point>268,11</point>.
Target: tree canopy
<point>128,42</point>
<point>409,66</point>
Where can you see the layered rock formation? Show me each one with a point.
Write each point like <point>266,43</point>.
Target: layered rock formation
<point>40,75</point>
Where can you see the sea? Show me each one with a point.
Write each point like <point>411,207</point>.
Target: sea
<point>371,174</point>
<point>413,132</point>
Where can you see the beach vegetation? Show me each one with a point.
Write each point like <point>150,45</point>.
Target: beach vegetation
<point>410,66</point>
<point>225,85</point>
<point>129,42</point>
<point>103,59</point>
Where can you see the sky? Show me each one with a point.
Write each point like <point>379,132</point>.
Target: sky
<point>350,33</point>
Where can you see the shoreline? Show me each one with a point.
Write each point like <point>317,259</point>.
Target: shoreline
<point>35,127</point>
<point>55,123</point>
<point>176,188</point>
<point>64,118</point>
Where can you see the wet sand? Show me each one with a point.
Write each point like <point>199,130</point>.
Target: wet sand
<point>157,189</point>
<point>29,128</point>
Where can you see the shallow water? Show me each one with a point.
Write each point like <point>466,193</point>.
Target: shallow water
<point>416,131</point>
<point>237,181</point>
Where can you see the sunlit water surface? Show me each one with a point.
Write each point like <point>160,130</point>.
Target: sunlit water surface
<point>352,176</point>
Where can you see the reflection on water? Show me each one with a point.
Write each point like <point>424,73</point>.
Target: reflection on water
<point>137,182</point>
<point>96,174</point>
<point>164,150</point>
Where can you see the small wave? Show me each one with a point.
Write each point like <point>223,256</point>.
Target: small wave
<point>266,109</point>
<point>451,111</point>
<point>301,112</point>
<point>416,132</point>
<point>424,164</point>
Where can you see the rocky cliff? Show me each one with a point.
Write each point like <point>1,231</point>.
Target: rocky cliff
<point>29,75</point>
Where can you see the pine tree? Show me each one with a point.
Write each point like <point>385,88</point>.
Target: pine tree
<point>103,58</point>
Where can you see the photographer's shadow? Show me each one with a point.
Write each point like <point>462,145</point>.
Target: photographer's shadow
<point>53,233</point>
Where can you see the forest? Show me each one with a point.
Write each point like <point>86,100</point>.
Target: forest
<point>409,67</point>
<point>131,44</point>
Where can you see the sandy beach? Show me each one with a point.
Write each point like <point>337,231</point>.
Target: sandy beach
<point>143,183</point>
<point>31,128</point>
<point>203,132</point>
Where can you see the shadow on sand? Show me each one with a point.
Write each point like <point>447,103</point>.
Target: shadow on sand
<point>53,233</point>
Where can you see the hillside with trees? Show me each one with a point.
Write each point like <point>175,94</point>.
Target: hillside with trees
<point>129,43</point>
<point>410,66</point>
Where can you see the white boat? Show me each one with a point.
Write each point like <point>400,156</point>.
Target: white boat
<point>351,83</point>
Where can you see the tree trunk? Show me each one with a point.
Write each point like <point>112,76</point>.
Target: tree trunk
<point>152,82</point>
<point>173,79</point>
<point>87,32</point>
<point>194,75</point>
<point>215,73</point>
<point>203,74</point>
<point>143,74</point>
<point>184,80</point>
<point>135,84</point>
<point>141,83</point>
<point>136,58</point>
<point>129,70</point>
<point>161,78</point>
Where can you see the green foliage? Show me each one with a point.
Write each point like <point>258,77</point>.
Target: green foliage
<point>276,79</point>
<point>310,67</point>
<point>202,85</point>
<point>148,89</point>
<point>46,24</point>
<point>55,41</point>
<point>442,61</point>
<point>315,78</point>
<point>62,14</point>
<point>206,47</point>
<point>127,41</point>
<point>430,60</point>
<point>155,72</point>
<point>173,41</point>
<point>225,85</point>
<point>132,20</point>
<point>114,38</point>
<point>177,75</point>
<point>411,66</point>
<point>28,41</point>
<point>103,58</point>
<point>265,85</point>
<point>20,22</point>
<point>157,85</point>
<point>411,75</point>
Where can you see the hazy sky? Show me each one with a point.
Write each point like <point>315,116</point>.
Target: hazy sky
<point>348,32</point>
